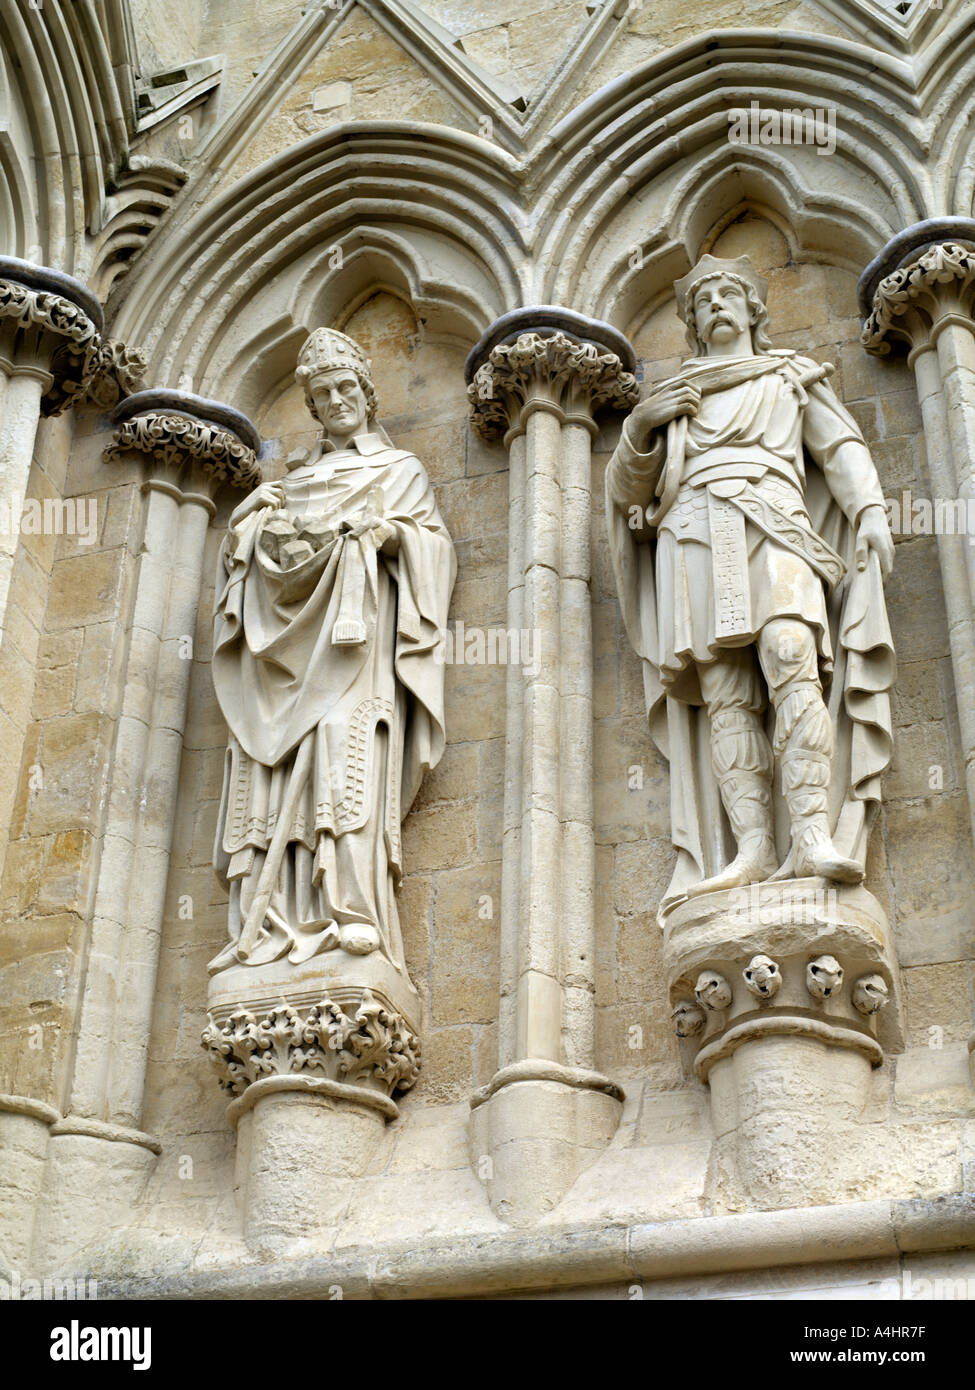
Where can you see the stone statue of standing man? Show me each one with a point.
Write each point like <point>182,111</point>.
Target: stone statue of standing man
<point>750,544</point>
<point>330,604</point>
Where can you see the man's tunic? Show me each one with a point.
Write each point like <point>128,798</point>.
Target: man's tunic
<point>735,546</point>
<point>717,530</point>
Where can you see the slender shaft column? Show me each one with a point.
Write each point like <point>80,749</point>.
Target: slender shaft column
<point>20,409</point>
<point>920,292</point>
<point>511,846</point>
<point>52,355</point>
<point>537,378</point>
<point>49,326</point>
<point>186,447</point>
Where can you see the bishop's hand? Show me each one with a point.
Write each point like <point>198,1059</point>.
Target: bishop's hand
<point>267,495</point>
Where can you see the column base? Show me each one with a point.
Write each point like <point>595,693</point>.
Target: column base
<point>25,1126</point>
<point>92,1186</point>
<point>533,1132</point>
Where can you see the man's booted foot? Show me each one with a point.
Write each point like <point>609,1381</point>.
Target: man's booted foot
<point>755,862</point>
<point>815,855</point>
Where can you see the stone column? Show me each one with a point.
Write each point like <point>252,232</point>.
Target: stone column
<point>185,448</point>
<point>49,339</point>
<point>52,355</point>
<point>919,293</point>
<point>536,380</point>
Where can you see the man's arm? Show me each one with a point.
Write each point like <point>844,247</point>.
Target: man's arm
<point>635,467</point>
<point>633,473</point>
<point>833,438</point>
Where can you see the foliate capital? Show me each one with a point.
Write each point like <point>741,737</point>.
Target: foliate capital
<point>367,1046</point>
<point>176,442</point>
<point>909,303</point>
<point>553,372</point>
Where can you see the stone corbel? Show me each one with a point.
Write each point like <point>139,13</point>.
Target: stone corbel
<point>785,996</point>
<point>536,380</point>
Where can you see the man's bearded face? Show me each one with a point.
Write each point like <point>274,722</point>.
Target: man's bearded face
<point>340,402</point>
<point>721,312</point>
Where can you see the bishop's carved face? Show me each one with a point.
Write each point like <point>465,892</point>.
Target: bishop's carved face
<point>341,404</point>
<point>722,316</point>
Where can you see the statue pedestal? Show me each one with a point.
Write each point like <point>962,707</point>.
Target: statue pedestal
<point>786,996</point>
<point>299,1155</point>
<point>310,1056</point>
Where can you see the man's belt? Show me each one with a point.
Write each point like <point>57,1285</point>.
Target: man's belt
<point>794,533</point>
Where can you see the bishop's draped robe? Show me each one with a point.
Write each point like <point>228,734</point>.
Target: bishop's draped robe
<point>336,735</point>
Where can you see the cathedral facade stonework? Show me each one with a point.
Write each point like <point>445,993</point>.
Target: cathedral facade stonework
<point>488,791</point>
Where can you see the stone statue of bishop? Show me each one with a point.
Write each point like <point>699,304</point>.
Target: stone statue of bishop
<point>750,545</point>
<point>331,600</point>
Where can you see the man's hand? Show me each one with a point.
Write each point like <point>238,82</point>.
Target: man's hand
<point>659,408</point>
<point>873,533</point>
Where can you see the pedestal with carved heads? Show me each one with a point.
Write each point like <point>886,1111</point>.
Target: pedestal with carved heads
<point>785,997</point>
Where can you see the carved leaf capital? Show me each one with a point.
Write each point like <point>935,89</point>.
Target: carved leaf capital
<point>571,377</point>
<point>943,273</point>
<point>178,440</point>
<point>373,1046</point>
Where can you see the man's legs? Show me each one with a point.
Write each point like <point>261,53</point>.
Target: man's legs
<point>803,746</point>
<point>742,761</point>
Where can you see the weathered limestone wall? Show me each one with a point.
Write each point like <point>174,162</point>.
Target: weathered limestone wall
<point>50,733</point>
<point>918,1133</point>
<point>68,639</point>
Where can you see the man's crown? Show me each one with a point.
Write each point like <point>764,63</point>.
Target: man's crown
<point>326,350</point>
<point>706,268</point>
